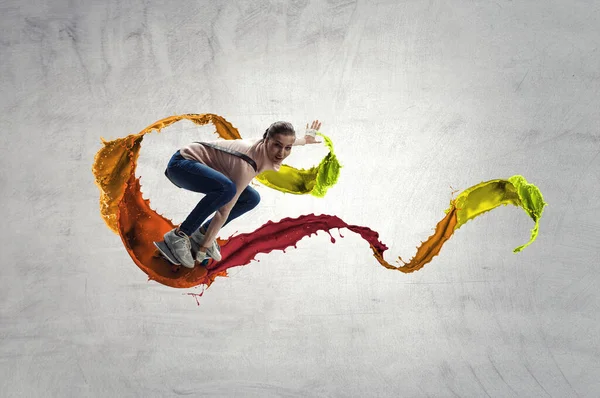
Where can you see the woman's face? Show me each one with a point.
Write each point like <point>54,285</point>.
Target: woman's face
<point>279,147</point>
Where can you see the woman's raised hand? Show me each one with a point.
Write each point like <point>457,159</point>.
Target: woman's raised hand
<point>310,138</point>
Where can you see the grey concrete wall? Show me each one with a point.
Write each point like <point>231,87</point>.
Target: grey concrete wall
<point>417,96</point>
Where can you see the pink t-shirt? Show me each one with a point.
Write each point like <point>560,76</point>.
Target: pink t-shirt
<point>236,169</point>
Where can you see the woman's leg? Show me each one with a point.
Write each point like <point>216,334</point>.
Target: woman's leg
<point>247,201</point>
<point>198,177</point>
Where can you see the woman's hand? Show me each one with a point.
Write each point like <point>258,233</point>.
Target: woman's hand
<point>310,139</point>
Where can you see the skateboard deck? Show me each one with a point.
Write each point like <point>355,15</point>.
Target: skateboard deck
<point>166,253</point>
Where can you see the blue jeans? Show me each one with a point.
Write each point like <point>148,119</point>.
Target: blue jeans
<point>218,189</point>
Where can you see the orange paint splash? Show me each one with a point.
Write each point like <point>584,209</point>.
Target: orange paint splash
<point>117,160</point>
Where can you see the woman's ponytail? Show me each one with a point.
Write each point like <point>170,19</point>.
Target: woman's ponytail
<point>280,127</point>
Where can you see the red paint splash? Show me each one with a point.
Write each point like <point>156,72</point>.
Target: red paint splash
<point>241,249</point>
<point>196,296</point>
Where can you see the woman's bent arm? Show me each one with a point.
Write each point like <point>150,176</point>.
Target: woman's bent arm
<point>215,225</point>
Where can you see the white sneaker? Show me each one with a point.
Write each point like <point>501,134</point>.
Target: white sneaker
<point>179,244</point>
<point>213,251</point>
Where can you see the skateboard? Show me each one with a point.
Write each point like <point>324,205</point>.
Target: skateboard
<point>167,254</point>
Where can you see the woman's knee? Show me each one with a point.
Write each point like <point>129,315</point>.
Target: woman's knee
<point>253,198</point>
<point>229,190</point>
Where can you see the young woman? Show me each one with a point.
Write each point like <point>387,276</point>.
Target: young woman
<point>223,170</point>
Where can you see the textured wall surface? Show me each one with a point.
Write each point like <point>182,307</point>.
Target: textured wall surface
<point>420,98</point>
